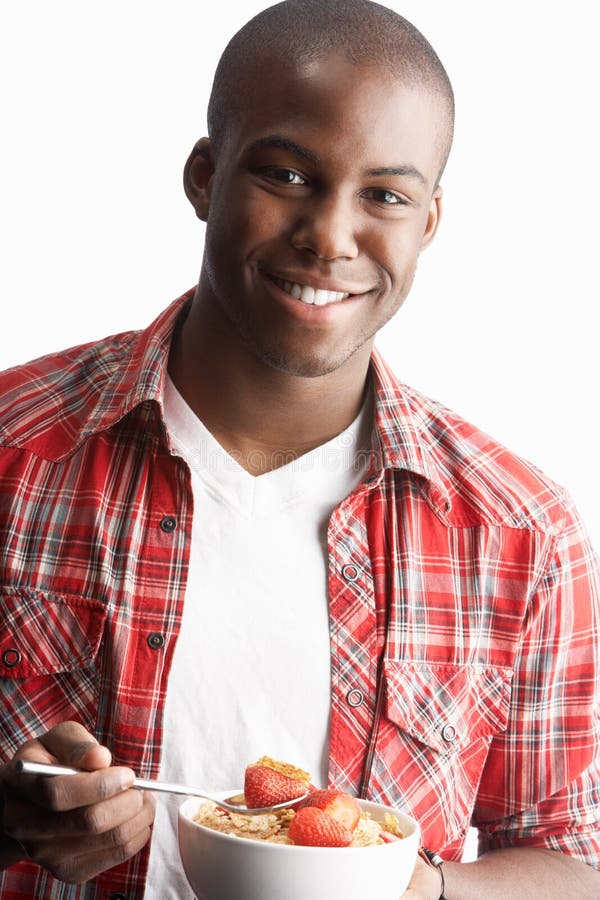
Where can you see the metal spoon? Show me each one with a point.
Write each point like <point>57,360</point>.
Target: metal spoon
<point>168,787</point>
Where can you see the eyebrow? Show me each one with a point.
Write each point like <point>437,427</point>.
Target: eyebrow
<point>282,143</point>
<point>404,171</point>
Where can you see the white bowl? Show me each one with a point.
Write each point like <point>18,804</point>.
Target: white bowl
<point>226,867</point>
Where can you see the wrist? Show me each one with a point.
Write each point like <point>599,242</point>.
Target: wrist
<point>435,862</point>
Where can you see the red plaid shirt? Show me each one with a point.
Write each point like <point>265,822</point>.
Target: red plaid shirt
<point>464,606</point>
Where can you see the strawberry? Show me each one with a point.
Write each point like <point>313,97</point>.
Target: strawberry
<point>264,786</point>
<point>342,807</point>
<point>311,827</point>
<point>387,837</point>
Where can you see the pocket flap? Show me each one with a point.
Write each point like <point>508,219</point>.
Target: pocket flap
<point>44,633</point>
<point>447,706</point>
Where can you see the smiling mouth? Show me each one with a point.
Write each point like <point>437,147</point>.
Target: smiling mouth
<point>308,294</point>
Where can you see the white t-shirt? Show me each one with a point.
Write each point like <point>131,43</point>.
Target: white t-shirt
<point>251,669</point>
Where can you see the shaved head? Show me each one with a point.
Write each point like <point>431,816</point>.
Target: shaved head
<point>302,31</point>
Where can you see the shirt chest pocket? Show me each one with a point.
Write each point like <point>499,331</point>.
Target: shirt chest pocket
<point>447,707</point>
<point>439,723</point>
<point>48,648</point>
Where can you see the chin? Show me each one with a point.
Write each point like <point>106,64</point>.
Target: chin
<point>300,368</point>
<point>300,365</point>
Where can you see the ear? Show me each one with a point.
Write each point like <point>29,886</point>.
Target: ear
<point>197,177</point>
<point>433,218</point>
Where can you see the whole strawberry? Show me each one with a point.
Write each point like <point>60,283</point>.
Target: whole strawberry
<point>265,786</point>
<point>342,807</point>
<point>311,827</point>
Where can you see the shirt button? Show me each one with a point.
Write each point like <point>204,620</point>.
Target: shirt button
<point>156,640</point>
<point>11,657</point>
<point>168,524</point>
<point>350,573</point>
<point>449,733</point>
<point>355,697</point>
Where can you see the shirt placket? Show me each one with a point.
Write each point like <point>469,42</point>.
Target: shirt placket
<point>354,644</point>
<point>154,621</point>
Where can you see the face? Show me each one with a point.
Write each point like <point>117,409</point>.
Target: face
<point>317,203</point>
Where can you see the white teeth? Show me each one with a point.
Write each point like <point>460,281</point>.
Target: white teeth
<point>307,294</point>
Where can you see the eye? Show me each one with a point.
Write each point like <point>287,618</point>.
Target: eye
<point>285,176</point>
<point>387,198</point>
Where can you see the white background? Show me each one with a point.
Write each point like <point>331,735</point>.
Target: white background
<point>102,102</point>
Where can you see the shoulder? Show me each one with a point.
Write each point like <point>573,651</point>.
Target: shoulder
<point>486,483</point>
<point>60,391</point>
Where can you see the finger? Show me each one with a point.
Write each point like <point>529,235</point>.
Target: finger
<point>61,793</point>
<point>70,743</point>
<point>49,850</point>
<point>24,822</point>
<point>76,863</point>
<point>42,798</point>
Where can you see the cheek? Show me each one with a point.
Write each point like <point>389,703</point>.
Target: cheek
<point>250,209</point>
<point>399,251</point>
<point>265,216</point>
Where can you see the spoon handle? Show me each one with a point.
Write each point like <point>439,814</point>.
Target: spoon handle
<point>143,784</point>
<point>33,768</point>
<point>169,787</point>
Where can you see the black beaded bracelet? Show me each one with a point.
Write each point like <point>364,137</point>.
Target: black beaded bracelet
<point>436,861</point>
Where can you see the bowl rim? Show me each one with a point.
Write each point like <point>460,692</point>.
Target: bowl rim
<point>365,804</point>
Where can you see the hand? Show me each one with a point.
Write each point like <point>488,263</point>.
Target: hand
<point>76,826</point>
<point>425,883</point>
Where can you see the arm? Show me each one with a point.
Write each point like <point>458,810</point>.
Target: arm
<point>524,872</point>
<point>500,874</point>
<point>76,826</point>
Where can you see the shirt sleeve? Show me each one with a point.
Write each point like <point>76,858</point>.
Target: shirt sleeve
<point>541,783</point>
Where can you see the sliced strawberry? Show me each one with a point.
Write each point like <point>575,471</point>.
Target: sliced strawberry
<point>342,807</point>
<point>264,786</point>
<point>387,837</point>
<point>311,827</point>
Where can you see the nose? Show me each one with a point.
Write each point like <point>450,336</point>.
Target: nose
<point>326,228</point>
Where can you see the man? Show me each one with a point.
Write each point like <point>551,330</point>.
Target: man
<point>368,580</point>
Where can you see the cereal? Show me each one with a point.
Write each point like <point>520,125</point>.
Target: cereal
<point>273,827</point>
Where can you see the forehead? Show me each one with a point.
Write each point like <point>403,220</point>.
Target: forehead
<point>341,109</point>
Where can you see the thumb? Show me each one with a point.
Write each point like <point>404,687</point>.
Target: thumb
<point>73,745</point>
<point>90,755</point>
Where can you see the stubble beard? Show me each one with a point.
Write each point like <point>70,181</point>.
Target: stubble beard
<point>288,362</point>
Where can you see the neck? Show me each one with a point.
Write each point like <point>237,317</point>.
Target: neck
<point>262,416</point>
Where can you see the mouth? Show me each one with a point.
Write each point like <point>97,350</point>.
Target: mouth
<point>311,295</point>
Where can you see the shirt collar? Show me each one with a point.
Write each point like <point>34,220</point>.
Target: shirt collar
<point>403,435</point>
<point>141,378</point>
